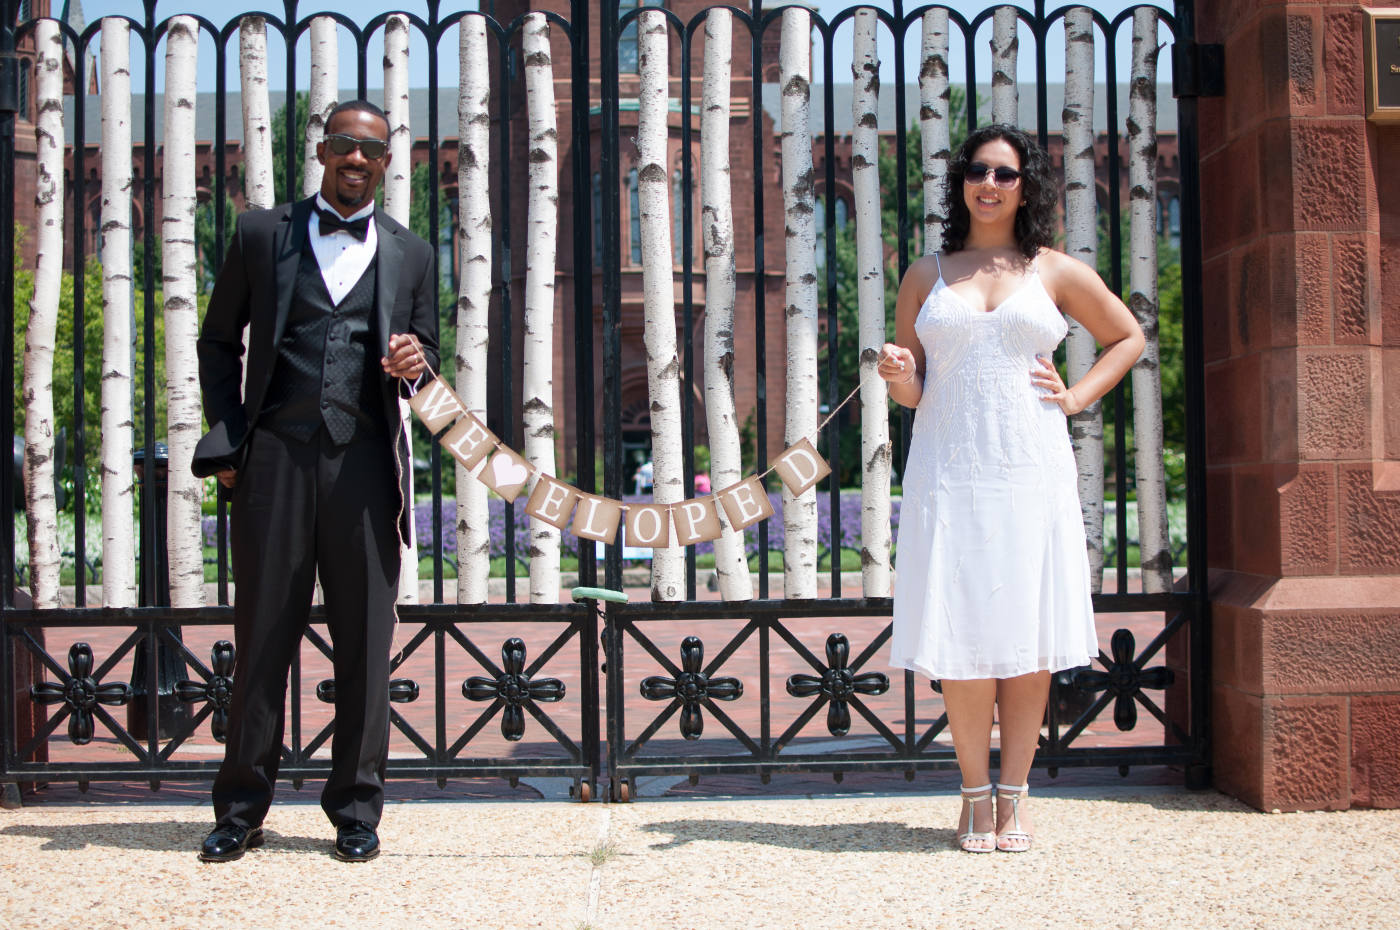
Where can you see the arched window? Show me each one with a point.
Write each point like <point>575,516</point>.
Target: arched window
<point>627,61</point>
<point>842,212</point>
<point>677,219</point>
<point>597,220</point>
<point>24,69</point>
<point>1174,221</point>
<point>634,225</point>
<point>447,254</point>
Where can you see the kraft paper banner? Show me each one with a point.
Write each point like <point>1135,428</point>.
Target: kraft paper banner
<point>800,467</point>
<point>596,518</point>
<point>745,503</point>
<point>469,441</point>
<point>696,521</point>
<point>552,501</point>
<point>506,473</point>
<point>648,525</point>
<point>438,406</point>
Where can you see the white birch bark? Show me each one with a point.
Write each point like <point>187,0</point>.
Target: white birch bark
<point>118,418</point>
<point>399,173</point>
<point>875,448</point>
<point>258,190</point>
<point>40,505</point>
<point>800,512</point>
<point>1005,96</point>
<point>542,220</point>
<point>321,97</point>
<point>935,124</point>
<point>473,295</point>
<point>717,236</point>
<point>1155,546</point>
<point>397,191</point>
<point>1081,242</point>
<point>658,293</point>
<point>184,539</point>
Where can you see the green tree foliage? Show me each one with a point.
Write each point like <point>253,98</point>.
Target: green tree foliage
<point>207,241</point>
<point>1172,359</point>
<point>279,149</point>
<point>64,366</point>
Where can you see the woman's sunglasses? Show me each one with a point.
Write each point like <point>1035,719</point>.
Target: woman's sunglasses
<point>342,145</point>
<point>1002,177</point>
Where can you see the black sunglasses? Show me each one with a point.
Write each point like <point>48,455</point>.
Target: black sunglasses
<point>341,144</point>
<point>1002,176</point>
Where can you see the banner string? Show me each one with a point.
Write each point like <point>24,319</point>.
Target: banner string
<point>431,375</point>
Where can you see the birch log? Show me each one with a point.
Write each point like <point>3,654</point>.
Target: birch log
<point>118,418</point>
<point>184,538</point>
<point>1081,241</point>
<point>658,292</point>
<point>397,192</point>
<point>321,97</point>
<point>800,512</point>
<point>1005,96</point>
<point>259,192</point>
<point>542,220</point>
<point>875,448</point>
<point>1153,538</point>
<point>41,507</point>
<point>717,236</point>
<point>473,295</point>
<point>935,124</point>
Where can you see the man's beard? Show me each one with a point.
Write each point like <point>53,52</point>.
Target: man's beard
<point>353,200</point>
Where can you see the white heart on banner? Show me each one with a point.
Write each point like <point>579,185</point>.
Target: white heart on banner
<point>507,471</point>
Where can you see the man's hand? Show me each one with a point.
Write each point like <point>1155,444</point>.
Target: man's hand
<point>228,477</point>
<point>405,358</point>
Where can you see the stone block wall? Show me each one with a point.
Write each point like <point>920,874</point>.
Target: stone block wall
<point>1301,207</point>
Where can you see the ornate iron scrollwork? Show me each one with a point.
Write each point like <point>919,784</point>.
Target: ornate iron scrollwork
<point>691,687</point>
<point>81,692</point>
<point>1124,679</point>
<point>401,691</point>
<point>838,683</point>
<point>513,688</point>
<point>218,690</point>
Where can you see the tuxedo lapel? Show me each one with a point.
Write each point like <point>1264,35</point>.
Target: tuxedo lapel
<point>291,239</point>
<point>389,257</point>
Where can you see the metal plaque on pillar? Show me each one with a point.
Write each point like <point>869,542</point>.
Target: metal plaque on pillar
<point>1381,39</point>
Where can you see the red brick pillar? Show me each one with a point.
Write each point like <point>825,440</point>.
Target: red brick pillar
<point>1301,215</point>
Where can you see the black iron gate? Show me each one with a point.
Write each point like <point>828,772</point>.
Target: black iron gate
<point>831,661</point>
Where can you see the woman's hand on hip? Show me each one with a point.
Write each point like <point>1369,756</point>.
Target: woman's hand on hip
<point>1047,376</point>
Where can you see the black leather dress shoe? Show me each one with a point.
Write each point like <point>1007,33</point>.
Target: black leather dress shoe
<point>227,842</point>
<point>356,842</point>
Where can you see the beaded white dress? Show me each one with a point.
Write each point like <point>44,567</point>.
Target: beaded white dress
<point>991,573</point>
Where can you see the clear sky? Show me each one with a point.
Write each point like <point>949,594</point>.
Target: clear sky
<point>363,10</point>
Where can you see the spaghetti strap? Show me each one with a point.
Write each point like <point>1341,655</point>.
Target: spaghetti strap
<point>939,262</point>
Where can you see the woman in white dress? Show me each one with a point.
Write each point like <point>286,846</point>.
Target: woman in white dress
<point>992,576</point>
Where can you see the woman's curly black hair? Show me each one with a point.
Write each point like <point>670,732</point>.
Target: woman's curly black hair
<point>1035,220</point>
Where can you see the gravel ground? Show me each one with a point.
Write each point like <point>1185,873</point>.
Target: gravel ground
<point>1120,857</point>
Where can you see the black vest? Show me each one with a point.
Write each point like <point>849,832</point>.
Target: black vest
<point>327,371</point>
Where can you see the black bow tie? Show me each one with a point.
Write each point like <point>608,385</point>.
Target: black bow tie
<point>331,222</point>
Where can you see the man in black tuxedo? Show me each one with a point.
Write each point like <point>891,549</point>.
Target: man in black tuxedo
<point>338,301</point>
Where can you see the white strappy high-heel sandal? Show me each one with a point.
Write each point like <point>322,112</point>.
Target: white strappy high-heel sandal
<point>971,840</point>
<point>1014,839</point>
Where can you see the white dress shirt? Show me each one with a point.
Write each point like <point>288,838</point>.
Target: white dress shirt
<point>342,258</point>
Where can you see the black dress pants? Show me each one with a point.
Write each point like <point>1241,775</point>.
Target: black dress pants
<point>299,509</point>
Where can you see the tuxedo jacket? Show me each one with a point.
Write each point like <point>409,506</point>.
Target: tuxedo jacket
<point>255,287</point>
